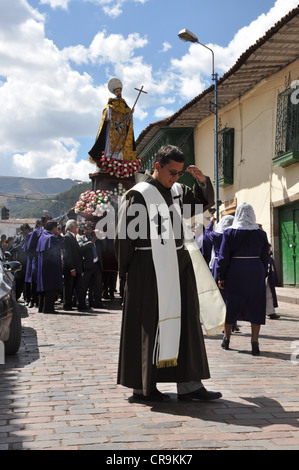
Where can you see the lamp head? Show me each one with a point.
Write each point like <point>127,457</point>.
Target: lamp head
<point>186,36</point>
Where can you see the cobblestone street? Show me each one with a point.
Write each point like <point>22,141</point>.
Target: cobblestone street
<point>60,392</point>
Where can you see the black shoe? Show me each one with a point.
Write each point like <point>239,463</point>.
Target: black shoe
<point>274,316</point>
<point>255,348</point>
<point>235,328</point>
<point>225,343</point>
<point>100,305</point>
<point>200,394</point>
<point>84,308</point>
<point>154,396</point>
<point>68,308</point>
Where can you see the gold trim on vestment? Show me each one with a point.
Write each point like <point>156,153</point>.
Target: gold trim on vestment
<point>169,318</point>
<point>167,363</point>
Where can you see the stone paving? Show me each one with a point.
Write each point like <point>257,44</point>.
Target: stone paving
<point>60,392</point>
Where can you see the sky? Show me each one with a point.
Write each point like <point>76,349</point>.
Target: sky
<point>57,56</point>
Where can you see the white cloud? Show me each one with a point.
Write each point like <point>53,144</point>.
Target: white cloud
<point>248,35</point>
<point>61,158</point>
<point>56,3</point>
<point>106,49</point>
<point>14,15</point>
<point>162,112</point>
<point>166,46</point>
<point>112,8</point>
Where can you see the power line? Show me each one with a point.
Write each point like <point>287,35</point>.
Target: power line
<point>18,196</point>
<point>30,198</point>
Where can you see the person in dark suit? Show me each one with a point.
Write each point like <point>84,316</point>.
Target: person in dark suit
<point>18,251</point>
<point>72,268</point>
<point>272,282</point>
<point>93,266</point>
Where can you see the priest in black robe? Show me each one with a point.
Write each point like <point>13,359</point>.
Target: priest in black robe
<point>137,369</point>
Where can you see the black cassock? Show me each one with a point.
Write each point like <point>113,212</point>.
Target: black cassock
<point>140,312</point>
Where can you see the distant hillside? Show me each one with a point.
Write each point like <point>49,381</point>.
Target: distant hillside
<point>27,186</point>
<point>32,198</point>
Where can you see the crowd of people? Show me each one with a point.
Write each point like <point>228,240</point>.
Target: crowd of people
<point>60,263</point>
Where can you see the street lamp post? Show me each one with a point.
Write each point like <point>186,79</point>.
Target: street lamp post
<point>187,36</point>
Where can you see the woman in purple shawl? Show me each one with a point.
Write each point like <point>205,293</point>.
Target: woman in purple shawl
<point>212,241</point>
<point>242,270</point>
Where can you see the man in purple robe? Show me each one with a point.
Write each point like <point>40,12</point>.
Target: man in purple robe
<point>31,267</point>
<point>49,267</point>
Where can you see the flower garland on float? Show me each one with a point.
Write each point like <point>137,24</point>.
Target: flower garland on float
<point>96,203</point>
<point>119,168</point>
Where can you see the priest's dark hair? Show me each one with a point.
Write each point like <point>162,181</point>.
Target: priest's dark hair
<point>169,152</point>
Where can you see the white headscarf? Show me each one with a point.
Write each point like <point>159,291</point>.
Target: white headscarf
<point>245,218</point>
<point>224,223</point>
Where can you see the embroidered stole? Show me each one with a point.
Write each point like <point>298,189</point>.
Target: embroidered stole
<point>165,260</point>
<point>212,306</point>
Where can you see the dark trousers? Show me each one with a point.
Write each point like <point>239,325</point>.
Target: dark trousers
<point>20,282</point>
<point>27,292</point>
<point>46,301</point>
<point>122,281</point>
<point>30,294</point>
<point>92,281</point>
<point>72,285</point>
<point>109,284</point>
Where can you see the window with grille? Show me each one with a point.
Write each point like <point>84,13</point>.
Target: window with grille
<point>226,139</point>
<point>287,129</point>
